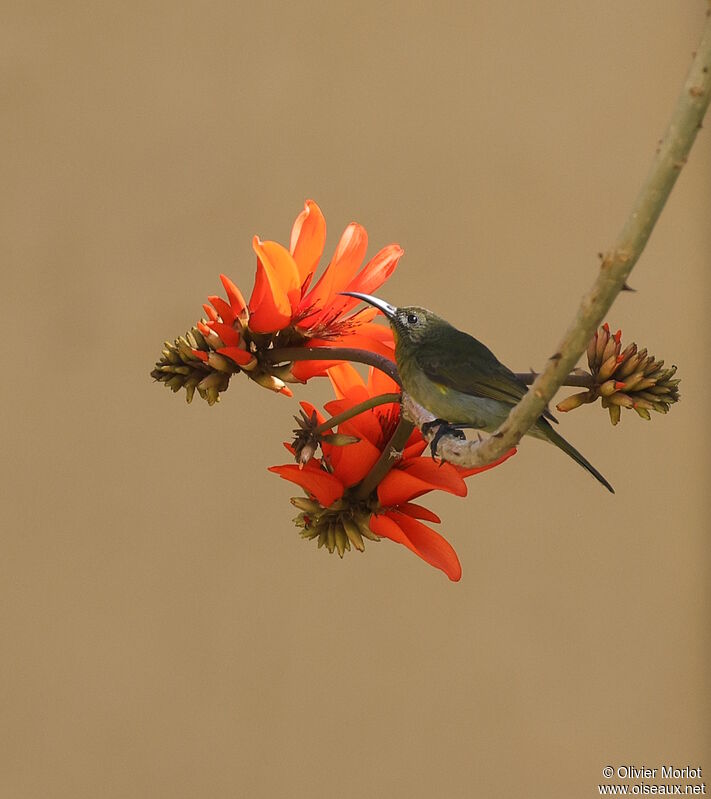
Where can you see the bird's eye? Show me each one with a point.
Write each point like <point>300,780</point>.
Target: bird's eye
<point>412,319</point>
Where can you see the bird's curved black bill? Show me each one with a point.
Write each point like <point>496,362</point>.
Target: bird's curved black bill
<point>389,310</point>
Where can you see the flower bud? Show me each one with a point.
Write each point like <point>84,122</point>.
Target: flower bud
<point>353,534</point>
<point>339,439</point>
<point>342,542</point>
<point>306,504</point>
<point>575,401</point>
<point>632,379</point>
<point>220,363</point>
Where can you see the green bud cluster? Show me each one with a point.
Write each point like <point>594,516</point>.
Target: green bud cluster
<point>630,379</point>
<point>179,367</point>
<point>335,528</point>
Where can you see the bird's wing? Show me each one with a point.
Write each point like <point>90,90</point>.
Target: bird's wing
<point>472,368</point>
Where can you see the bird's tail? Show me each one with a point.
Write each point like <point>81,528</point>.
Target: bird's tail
<point>556,438</point>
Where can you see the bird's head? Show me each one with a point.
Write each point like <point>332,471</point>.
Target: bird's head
<point>410,323</point>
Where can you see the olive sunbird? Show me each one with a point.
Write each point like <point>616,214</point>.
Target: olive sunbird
<point>458,379</point>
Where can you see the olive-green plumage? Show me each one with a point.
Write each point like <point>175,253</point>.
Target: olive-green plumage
<point>457,378</point>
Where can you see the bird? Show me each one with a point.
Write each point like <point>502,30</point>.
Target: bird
<point>458,379</point>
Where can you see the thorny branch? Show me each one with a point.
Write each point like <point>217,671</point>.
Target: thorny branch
<point>616,266</point>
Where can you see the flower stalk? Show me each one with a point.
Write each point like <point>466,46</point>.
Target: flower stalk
<point>294,354</point>
<point>356,410</point>
<point>388,458</point>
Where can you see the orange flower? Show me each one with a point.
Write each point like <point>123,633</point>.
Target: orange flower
<point>334,510</point>
<point>284,310</point>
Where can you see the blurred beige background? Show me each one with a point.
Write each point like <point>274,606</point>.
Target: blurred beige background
<point>165,631</point>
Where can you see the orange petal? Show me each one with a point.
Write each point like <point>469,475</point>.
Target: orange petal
<point>308,235</point>
<point>303,370</point>
<point>344,264</point>
<point>415,449</point>
<point>352,462</point>
<point>201,355</point>
<point>365,425</point>
<point>398,486</point>
<point>419,512</point>
<point>372,276</point>
<point>431,546</point>
<point>377,270</point>
<point>284,272</point>
<point>322,485</point>
<point>357,341</point>
<point>334,407</point>
<point>223,309</point>
<point>444,477</point>
<point>234,295</point>
<point>370,424</point>
<point>412,478</point>
<point>415,438</point>
<point>420,539</point>
<point>226,332</point>
<point>204,329</point>
<point>238,355</point>
<point>380,383</point>
<point>269,306</point>
<point>344,378</point>
<point>355,395</point>
<point>381,333</point>
<point>210,311</point>
<point>476,469</point>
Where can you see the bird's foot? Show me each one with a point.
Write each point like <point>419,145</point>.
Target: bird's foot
<point>444,428</point>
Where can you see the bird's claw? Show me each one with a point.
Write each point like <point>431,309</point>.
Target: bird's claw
<point>427,426</point>
<point>444,428</point>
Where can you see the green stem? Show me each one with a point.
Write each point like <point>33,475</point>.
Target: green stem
<point>388,458</point>
<point>361,407</point>
<point>285,354</point>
